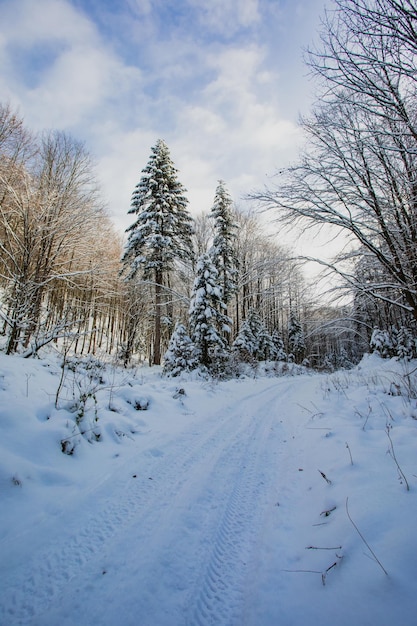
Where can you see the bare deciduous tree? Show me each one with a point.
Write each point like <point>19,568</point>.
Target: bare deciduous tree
<point>47,218</point>
<point>358,173</point>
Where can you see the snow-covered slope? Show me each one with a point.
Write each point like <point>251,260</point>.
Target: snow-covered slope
<point>257,502</point>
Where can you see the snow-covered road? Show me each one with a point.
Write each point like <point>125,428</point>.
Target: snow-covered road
<point>170,536</point>
<point>209,508</point>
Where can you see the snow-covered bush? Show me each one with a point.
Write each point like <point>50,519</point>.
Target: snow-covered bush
<point>333,361</point>
<point>87,366</point>
<point>85,377</point>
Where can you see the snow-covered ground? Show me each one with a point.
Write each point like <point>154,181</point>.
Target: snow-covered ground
<point>260,501</point>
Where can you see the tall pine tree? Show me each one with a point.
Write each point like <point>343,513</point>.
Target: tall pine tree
<point>162,232</point>
<point>223,250</point>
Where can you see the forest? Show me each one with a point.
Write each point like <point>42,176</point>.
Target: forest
<point>218,291</point>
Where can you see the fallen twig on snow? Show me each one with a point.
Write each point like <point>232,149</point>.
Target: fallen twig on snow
<point>374,557</point>
<point>329,482</point>
<point>350,454</point>
<point>392,452</point>
<point>367,417</point>
<point>324,574</point>
<point>314,571</point>
<point>328,511</point>
<point>317,548</point>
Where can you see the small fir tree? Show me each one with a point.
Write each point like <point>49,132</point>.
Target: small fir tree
<point>245,344</point>
<point>207,319</point>
<point>263,341</point>
<point>279,348</point>
<point>342,359</point>
<point>162,232</point>
<point>405,344</point>
<point>180,356</point>
<point>253,338</point>
<point>296,338</point>
<point>384,343</point>
<point>266,348</point>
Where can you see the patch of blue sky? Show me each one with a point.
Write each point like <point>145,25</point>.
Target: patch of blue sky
<point>132,25</point>
<point>194,22</point>
<point>112,19</point>
<point>31,62</point>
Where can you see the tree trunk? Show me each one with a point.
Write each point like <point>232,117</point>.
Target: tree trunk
<point>157,334</point>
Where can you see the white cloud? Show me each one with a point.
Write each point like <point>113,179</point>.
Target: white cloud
<point>79,75</point>
<point>237,126</point>
<point>236,68</point>
<point>227,17</point>
<point>30,21</point>
<point>140,7</point>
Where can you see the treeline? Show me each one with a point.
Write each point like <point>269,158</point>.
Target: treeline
<point>61,275</point>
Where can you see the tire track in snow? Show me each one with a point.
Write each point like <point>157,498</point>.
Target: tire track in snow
<point>219,598</point>
<point>28,594</point>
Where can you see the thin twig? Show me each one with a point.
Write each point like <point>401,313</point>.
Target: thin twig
<point>303,571</point>
<point>328,511</point>
<point>395,458</point>
<point>324,574</point>
<point>367,417</point>
<point>329,482</point>
<point>375,558</point>
<point>313,415</point>
<point>350,454</point>
<point>317,548</point>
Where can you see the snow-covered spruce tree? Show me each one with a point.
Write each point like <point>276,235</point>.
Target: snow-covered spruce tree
<point>279,348</point>
<point>406,344</point>
<point>223,250</point>
<point>253,340</point>
<point>180,356</point>
<point>384,342</point>
<point>296,337</point>
<point>342,359</point>
<point>207,318</point>
<point>245,344</point>
<point>162,232</point>
<point>256,326</point>
<point>266,348</point>
<point>263,341</point>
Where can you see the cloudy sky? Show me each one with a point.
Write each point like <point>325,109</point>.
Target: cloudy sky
<point>221,81</point>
